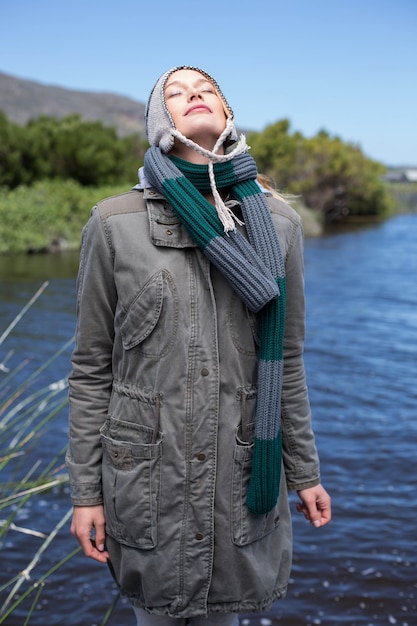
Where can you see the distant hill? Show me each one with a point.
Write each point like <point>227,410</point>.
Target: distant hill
<point>22,100</point>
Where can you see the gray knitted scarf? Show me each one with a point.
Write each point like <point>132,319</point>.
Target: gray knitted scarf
<point>256,271</point>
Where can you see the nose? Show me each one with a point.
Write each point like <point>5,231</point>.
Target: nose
<point>194,94</point>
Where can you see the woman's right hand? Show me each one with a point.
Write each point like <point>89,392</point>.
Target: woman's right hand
<point>88,527</point>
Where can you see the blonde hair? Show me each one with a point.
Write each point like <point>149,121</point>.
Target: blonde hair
<point>268,184</point>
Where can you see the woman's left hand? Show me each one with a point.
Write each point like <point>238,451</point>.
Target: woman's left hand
<point>316,505</point>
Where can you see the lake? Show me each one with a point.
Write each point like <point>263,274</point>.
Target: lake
<point>361,361</point>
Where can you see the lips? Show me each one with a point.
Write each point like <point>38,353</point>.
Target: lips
<point>198,107</point>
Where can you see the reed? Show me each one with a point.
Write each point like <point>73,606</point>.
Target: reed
<point>29,470</point>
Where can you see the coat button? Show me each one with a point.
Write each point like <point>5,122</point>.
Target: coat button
<point>168,232</point>
<point>205,371</point>
<point>201,456</point>
<point>199,536</point>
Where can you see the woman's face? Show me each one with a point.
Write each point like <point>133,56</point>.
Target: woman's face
<point>195,106</point>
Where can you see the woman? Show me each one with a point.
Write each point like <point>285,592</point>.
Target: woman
<point>189,412</point>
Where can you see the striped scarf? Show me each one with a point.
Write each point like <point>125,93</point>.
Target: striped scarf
<point>256,271</point>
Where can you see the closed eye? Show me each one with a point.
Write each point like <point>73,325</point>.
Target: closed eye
<point>173,93</point>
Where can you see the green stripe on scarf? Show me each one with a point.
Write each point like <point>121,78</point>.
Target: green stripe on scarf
<point>255,269</point>
<point>271,348</point>
<point>178,191</point>
<point>265,476</point>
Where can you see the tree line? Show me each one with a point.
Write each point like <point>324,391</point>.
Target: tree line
<point>69,148</point>
<point>331,177</point>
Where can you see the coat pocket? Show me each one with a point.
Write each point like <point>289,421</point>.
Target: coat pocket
<point>247,527</point>
<point>150,323</point>
<point>131,477</point>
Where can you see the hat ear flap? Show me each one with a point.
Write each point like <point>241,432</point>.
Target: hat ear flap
<point>233,135</point>
<point>158,122</point>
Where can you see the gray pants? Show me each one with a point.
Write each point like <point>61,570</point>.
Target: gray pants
<point>217,619</point>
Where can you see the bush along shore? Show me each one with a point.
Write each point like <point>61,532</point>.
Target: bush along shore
<point>47,216</point>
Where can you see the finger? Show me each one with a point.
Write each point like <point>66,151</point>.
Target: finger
<point>309,509</point>
<point>320,515</point>
<point>90,550</point>
<point>100,537</point>
<point>326,515</point>
<point>302,509</point>
<point>99,555</point>
<point>314,515</point>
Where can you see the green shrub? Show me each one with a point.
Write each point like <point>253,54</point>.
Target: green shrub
<point>49,214</point>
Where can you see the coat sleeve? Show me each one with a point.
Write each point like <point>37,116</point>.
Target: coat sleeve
<point>90,380</point>
<point>300,456</point>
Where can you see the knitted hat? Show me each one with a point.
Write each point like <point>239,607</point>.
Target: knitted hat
<point>158,120</point>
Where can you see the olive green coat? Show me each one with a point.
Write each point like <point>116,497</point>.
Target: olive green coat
<point>162,398</point>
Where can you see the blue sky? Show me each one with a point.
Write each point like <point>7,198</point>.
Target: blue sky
<point>348,66</point>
